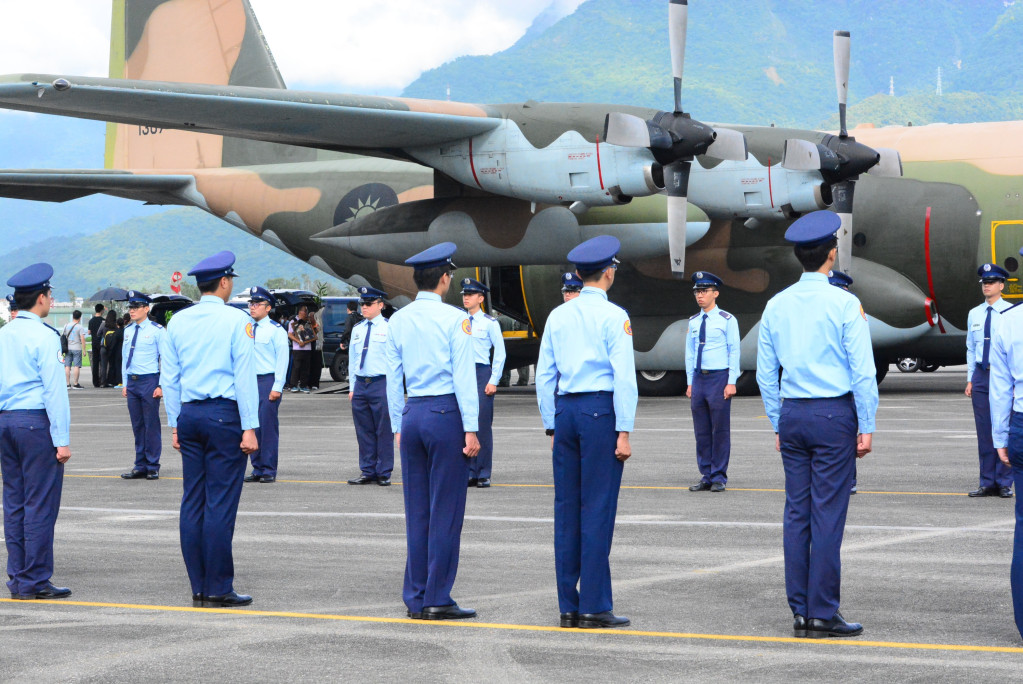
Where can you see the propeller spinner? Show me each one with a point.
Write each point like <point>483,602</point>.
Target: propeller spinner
<point>675,138</point>
<point>841,159</point>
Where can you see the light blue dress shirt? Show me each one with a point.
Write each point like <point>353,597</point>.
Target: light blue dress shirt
<point>819,335</point>
<point>975,333</point>
<point>272,351</point>
<point>429,344</point>
<point>146,358</point>
<point>1005,387</point>
<point>721,345</point>
<point>587,347</point>
<point>486,334</point>
<point>32,373</point>
<point>376,353</point>
<point>207,353</point>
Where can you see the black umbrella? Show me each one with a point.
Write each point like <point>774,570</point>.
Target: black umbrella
<point>110,294</point>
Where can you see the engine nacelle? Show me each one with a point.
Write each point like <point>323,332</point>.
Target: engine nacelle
<point>570,169</point>
<point>733,189</point>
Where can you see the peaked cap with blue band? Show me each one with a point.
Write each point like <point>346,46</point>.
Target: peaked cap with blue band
<point>839,279</point>
<point>570,282</point>
<point>11,303</point>
<point>815,228</point>
<point>433,257</point>
<point>595,254</point>
<point>371,294</point>
<point>212,268</point>
<point>31,278</point>
<point>136,297</point>
<point>993,272</point>
<point>471,286</point>
<point>261,294</point>
<point>703,280</point>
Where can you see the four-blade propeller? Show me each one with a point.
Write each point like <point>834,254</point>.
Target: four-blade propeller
<point>675,138</point>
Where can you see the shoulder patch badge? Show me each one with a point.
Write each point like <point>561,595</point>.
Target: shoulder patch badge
<point>862,313</point>
<point>628,327</point>
<point>249,331</point>
<point>467,327</point>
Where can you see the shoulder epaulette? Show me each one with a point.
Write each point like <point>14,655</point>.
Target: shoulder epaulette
<point>1003,311</point>
<point>55,331</point>
<point>725,315</point>
<point>157,325</point>
<point>695,315</point>
<point>619,306</point>
<point>272,322</point>
<point>489,317</point>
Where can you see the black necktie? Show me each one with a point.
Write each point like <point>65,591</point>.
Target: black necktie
<point>131,352</point>
<point>703,340</point>
<point>987,338</point>
<point>365,345</point>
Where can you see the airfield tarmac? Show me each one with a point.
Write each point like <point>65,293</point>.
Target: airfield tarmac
<point>925,568</point>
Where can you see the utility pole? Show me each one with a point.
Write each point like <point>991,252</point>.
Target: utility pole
<point>891,86</point>
<point>938,93</point>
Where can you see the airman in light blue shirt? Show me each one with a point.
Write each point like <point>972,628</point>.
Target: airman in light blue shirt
<point>140,368</point>
<point>374,362</point>
<point>486,336</point>
<point>272,351</point>
<point>145,358</point>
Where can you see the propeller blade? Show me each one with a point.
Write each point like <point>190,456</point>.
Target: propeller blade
<point>801,155</point>
<point>842,49</point>
<point>889,166</point>
<point>626,130</point>
<point>676,185</point>
<point>728,144</point>
<point>678,18</point>
<point>843,194</point>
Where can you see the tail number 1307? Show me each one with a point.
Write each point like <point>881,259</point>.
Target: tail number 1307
<point>149,130</point>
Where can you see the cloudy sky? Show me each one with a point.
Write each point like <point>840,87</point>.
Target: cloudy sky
<point>362,46</point>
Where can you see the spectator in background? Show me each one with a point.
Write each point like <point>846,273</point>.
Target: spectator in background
<point>107,332</point>
<point>94,360</point>
<point>75,334</point>
<point>301,336</point>
<point>315,322</point>
<point>115,353</point>
<point>351,321</point>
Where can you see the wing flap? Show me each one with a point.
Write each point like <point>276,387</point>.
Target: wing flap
<point>62,185</point>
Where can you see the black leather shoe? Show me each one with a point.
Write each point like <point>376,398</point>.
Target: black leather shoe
<point>483,482</point>
<point>605,619</point>
<point>835,627</point>
<point>1005,492</point>
<point>717,487</point>
<point>700,487</point>
<point>152,476</point>
<point>228,600</point>
<point>134,475</point>
<point>472,482</point>
<point>799,626</point>
<point>984,491</point>
<point>384,481</point>
<point>570,619</point>
<point>362,479</point>
<point>414,616</point>
<point>268,479</point>
<point>197,598</point>
<point>47,593</point>
<point>853,490</point>
<point>452,612</point>
<point>252,478</point>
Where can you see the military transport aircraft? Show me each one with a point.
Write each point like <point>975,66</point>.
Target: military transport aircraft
<point>356,184</point>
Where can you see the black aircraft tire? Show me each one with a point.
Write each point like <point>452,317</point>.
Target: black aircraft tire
<point>660,383</point>
<point>746,385</point>
<point>338,370</point>
<point>929,367</point>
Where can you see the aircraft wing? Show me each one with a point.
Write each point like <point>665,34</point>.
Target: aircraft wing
<point>320,120</point>
<point>67,184</point>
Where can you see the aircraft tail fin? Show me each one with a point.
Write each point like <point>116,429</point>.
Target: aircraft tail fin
<point>214,42</point>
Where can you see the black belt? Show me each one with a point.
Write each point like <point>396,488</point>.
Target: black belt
<point>370,378</point>
<point>142,376</point>
<point>27,412</point>
<point>708,372</point>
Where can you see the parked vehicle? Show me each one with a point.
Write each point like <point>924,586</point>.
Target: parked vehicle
<point>335,313</point>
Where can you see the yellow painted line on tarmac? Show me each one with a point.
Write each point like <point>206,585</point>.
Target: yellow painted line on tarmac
<point>550,486</point>
<point>527,628</point>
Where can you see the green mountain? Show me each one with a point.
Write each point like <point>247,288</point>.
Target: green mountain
<point>142,254</point>
<point>756,61</point>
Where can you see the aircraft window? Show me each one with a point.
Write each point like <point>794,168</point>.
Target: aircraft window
<point>1011,264</point>
<point>859,239</point>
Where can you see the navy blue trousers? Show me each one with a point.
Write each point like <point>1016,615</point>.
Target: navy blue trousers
<point>268,434</point>
<point>373,426</point>
<point>32,484</point>
<point>587,477</point>
<point>712,422</point>
<point>144,412</point>
<point>818,451</point>
<point>480,466</point>
<point>1016,459</point>
<point>993,473</point>
<point>434,471</point>
<point>213,466</point>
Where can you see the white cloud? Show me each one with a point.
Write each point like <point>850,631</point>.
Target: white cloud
<point>365,46</point>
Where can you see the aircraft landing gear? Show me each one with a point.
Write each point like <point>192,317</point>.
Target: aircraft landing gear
<point>660,383</point>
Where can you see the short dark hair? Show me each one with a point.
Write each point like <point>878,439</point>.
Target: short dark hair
<point>812,258</point>
<point>208,286</point>
<point>99,308</point>
<point>353,307</point>
<point>26,300</point>
<point>77,315</point>
<point>429,278</point>
<point>591,276</point>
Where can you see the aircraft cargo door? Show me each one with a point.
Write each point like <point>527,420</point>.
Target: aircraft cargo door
<point>1006,239</point>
